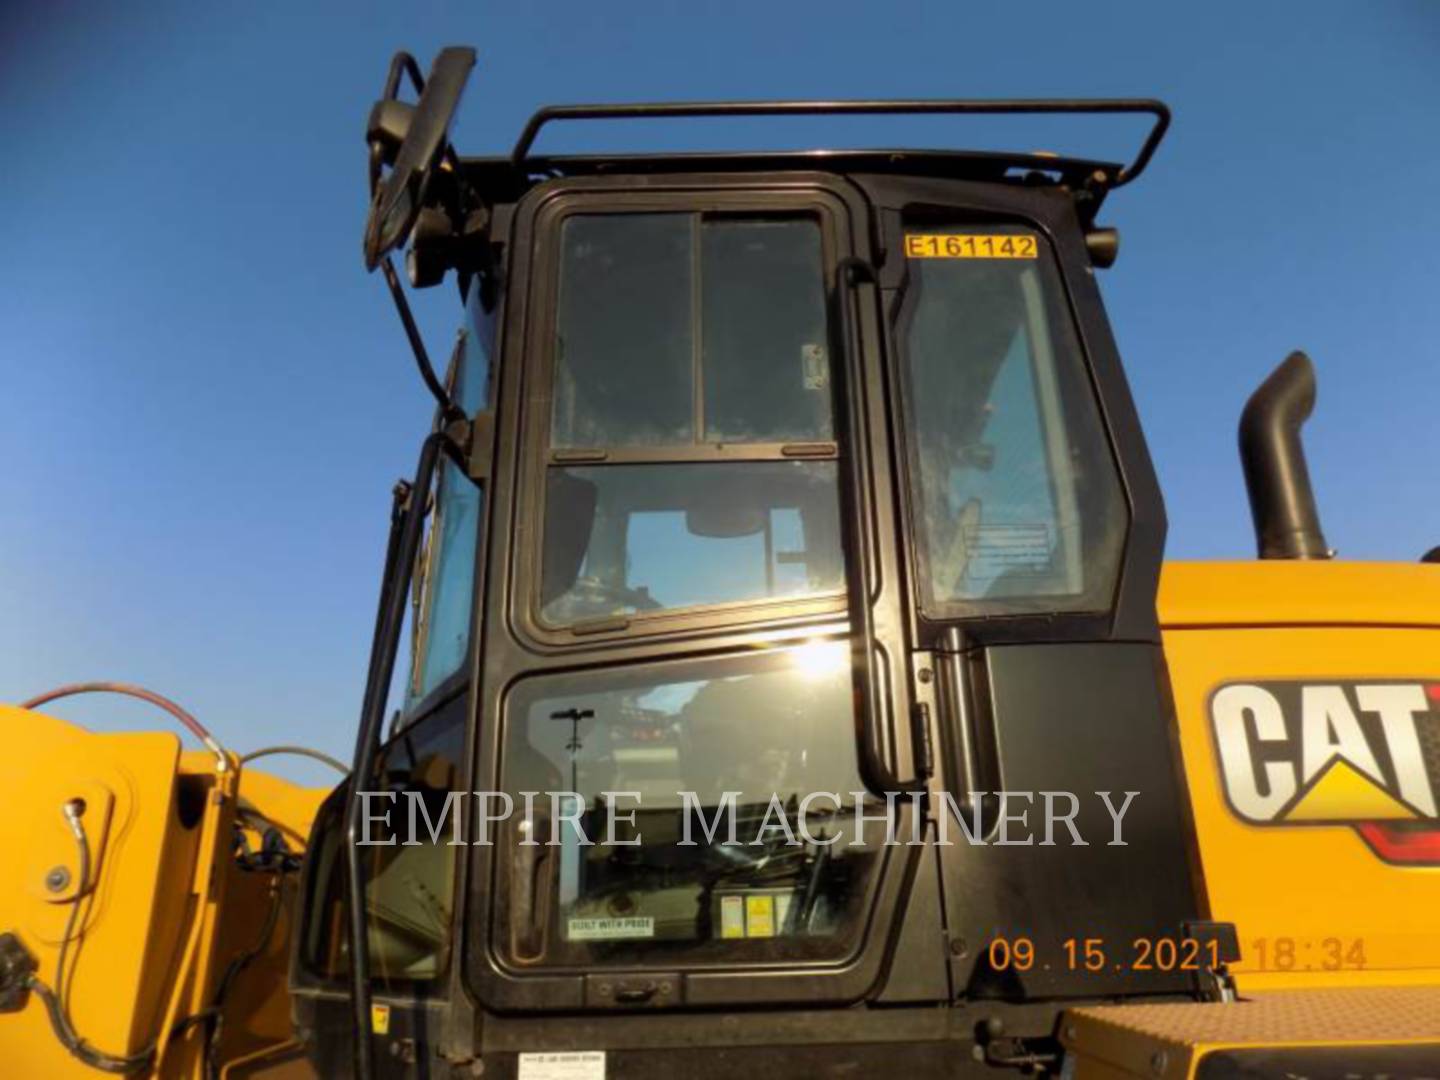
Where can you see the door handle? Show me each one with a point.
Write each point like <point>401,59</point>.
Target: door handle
<point>965,710</point>
<point>531,889</point>
<point>875,772</point>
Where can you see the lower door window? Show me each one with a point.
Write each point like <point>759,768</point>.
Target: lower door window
<point>690,813</point>
<point>409,871</point>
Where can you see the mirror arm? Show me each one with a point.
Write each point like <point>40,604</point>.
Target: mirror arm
<point>403,63</point>
<point>448,409</point>
<point>474,441</point>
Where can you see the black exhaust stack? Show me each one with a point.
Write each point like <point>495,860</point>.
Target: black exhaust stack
<point>1282,502</point>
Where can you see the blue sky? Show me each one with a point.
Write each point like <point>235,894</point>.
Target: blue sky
<point>207,399</point>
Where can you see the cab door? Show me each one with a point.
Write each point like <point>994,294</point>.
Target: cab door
<point>1032,529</point>
<point>688,479</point>
<point>412,875</point>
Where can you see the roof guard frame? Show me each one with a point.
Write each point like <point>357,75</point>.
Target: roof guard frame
<point>1015,106</point>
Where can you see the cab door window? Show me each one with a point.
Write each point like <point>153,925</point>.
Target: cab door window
<point>690,453</point>
<point>690,759</point>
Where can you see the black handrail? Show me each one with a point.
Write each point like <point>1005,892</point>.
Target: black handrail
<point>406,532</point>
<point>1017,106</point>
<point>875,772</point>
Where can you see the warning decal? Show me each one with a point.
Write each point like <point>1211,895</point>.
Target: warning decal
<point>570,1065</point>
<point>607,929</point>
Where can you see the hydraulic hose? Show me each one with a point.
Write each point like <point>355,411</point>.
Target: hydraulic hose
<point>129,690</point>
<point>55,999</point>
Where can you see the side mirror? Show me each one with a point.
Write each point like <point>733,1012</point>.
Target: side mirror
<point>400,195</point>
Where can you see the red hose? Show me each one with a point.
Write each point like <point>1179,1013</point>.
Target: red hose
<point>195,727</point>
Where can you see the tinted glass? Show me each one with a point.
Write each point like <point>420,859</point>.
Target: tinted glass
<point>624,369</point>
<point>678,329</point>
<point>779,725</point>
<point>622,539</point>
<point>1019,506</point>
<point>451,566</point>
<point>409,889</point>
<point>766,356</point>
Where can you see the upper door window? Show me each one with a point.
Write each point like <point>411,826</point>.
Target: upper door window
<point>1017,502</point>
<point>690,449</point>
<point>682,329</point>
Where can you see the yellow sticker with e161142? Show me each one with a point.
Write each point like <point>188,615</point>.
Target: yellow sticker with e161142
<point>969,246</point>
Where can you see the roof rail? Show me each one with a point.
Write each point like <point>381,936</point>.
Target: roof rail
<point>1033,106</point>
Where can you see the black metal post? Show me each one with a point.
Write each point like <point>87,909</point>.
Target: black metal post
<point>406,531</point>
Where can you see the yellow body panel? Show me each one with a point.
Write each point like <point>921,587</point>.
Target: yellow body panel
<point>1301,881</point>
<point>1169,1042</point>
<point>1283,593</point>
<point>257,1038</point>
<point>1310,886</point>
<point>167,908</point>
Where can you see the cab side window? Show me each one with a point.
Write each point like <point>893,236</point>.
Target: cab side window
<point>448,570</point>
<point>1018,503</point>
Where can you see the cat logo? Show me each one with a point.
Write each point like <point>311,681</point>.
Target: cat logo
<point>1358,754</point>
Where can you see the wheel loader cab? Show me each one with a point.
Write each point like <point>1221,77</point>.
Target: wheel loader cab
<point>799,509</point>
<point>785,693</point>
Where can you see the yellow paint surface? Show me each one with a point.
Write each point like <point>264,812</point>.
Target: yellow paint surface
<point>1302,894</point>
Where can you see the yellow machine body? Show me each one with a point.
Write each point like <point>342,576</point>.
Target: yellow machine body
<point>1339,946</point>
<point>167,909</point>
